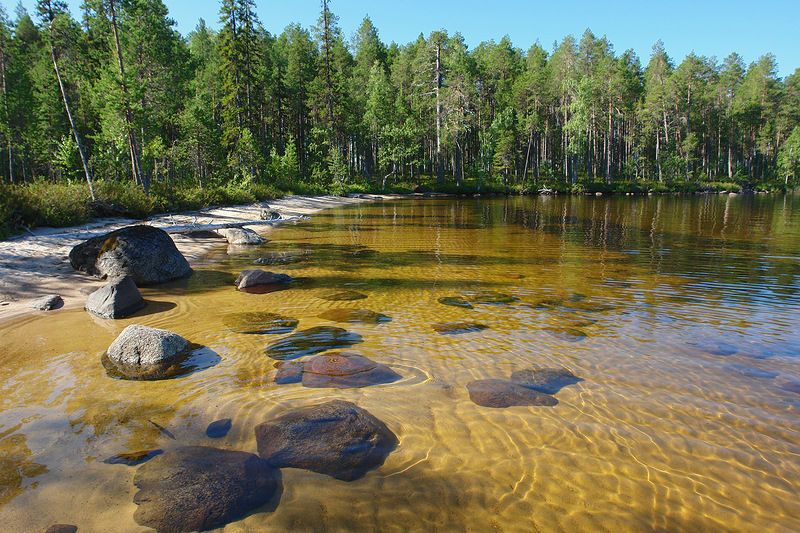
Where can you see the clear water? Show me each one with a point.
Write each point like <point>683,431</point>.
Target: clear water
<point>680,314</point>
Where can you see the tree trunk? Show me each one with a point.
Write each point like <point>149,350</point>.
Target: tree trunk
<point>438,81</point>
<point>3,60</point>
<point>133,145</point>
<point>72,124</point>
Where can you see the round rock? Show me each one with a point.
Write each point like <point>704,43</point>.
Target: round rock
<point>345,371</point>
<point>501,393</point>
<point>142,352</point>
<point>196,488</point>
<point>336,438</point>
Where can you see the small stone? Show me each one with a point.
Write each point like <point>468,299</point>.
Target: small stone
<point>455,301</point>
<point>46,303</point>
<point>219,428</point>
<point>450,328</point>
<point>345,371</point>
<point>354,316</point>
<point>256,277</point>
<point>118,299</point>
<point>62,528</point>
<point>336,438</point>
<point>500,393</point>
<point>339,296</point>
<point>133,458</point>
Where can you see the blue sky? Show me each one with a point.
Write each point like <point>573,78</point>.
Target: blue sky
<point>707,27</point>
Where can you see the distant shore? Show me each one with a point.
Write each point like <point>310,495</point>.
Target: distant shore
<point>37,265</point>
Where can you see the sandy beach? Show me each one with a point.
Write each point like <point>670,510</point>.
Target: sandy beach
<point>37,264</point>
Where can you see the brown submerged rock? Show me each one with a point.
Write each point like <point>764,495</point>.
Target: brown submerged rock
<point>342,296</point>
<point>336,438</point>
<point>549,380</point>
<point>289,372</point>
<point>311,341</point>
<point>345,371</point>
<point>501,393</point>
<point>451,328</point>
<point>259,323</point>
<point>196,488</point>
<point>354,316</point>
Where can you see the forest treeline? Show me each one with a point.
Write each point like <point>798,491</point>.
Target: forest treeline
<point>120,96</point>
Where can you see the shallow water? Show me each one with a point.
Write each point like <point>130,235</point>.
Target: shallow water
<point>680,314</point>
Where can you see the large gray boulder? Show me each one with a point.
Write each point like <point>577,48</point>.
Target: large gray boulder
<point>142,352</point>
<point>145,253</point>
<point>118,299</point>
<point>197,488</point>
<point>336,438</point>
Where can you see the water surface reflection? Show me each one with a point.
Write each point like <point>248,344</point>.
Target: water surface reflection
<point>678,317</point>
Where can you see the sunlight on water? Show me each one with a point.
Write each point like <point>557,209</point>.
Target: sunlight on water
<point>680,316</point>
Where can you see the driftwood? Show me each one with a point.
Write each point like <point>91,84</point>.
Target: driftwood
<point>191,228</point>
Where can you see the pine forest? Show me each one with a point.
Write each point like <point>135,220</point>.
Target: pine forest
<point>120,97</point>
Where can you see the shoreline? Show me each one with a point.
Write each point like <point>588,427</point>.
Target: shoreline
<point>38,265</point>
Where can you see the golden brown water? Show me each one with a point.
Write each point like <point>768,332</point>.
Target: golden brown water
<point>664,432</point>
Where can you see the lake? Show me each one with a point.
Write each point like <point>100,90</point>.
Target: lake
<point>679,315</point>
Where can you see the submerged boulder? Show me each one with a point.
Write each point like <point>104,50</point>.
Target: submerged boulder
<point>336,438</point>
<point>289,372</point>
<point>196,488</point>
<point>142,352</point>
<point>488,297</point>
<point>256,277</point>
<point>501,393</point>
<point>354,316</point>
<point>342,296</point>
<point>118,299</point>
<point>145,253</point>
<point>451,328</point>
<point>257,322</point>
<point>548,380</point>
<point>311,341</point>
<point>345,371</point>
<point>455,301</point>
